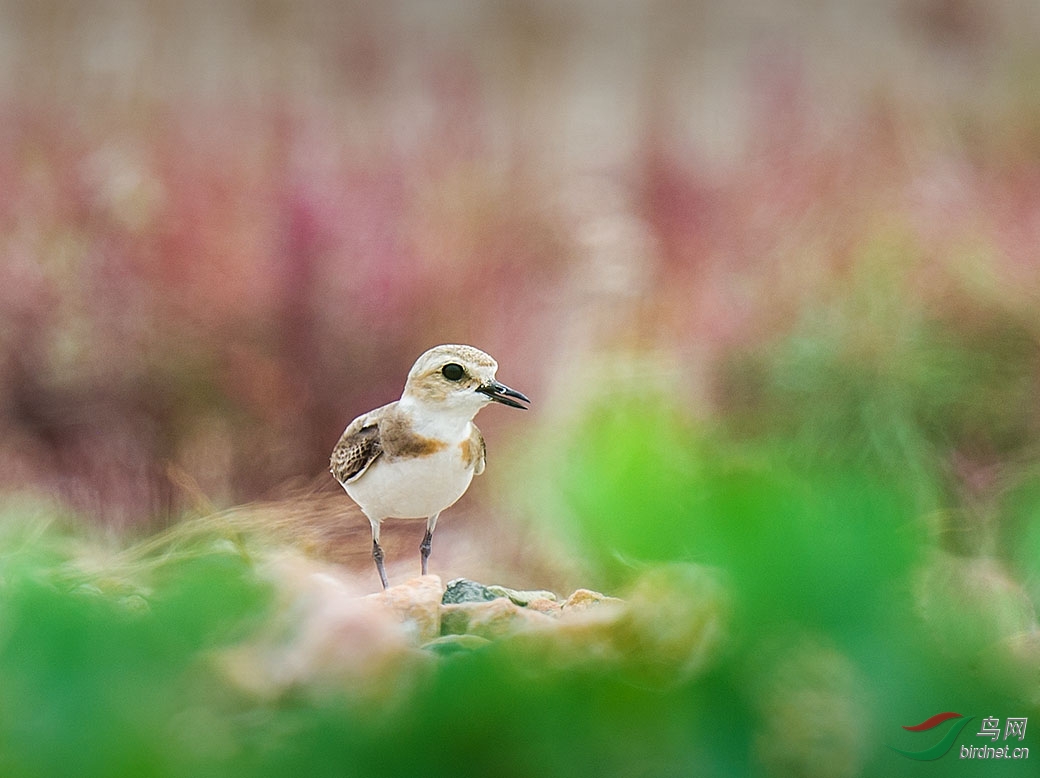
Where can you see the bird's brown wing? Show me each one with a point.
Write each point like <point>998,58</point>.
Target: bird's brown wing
<point>359,446</point>
<point>478,450</point>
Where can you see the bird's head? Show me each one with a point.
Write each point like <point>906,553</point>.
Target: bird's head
<point>458,378</point>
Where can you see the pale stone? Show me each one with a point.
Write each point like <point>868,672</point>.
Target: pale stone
<point>326,635</point>
<point>584,598</point>
<point>492,620</point>
<point>546,606</point>
<point>417,605</point>
<point>672,625</point>
<point>520,597</point>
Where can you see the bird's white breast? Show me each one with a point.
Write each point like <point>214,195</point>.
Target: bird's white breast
<point>414,487</point>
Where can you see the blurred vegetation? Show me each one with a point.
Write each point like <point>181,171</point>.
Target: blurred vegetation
<point>870,496</point>
<point>769,271</point>
<point>110,663</point>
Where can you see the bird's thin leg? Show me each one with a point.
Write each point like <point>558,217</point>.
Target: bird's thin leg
<point>427,541</point>
<point>424,549</point>
<point>377,555</point>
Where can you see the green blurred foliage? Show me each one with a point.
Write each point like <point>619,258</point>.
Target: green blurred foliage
<point>1020,538</point>
<point>96,684</point>
<point>216,286</point>
<point>808,508</point>
<point>885,371</point>
<point>105,683</point>
<point>810,515</point>
<point>816,544</point>
<point>828,495</point>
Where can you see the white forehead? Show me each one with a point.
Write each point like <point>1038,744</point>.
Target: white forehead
<point>467,356</point>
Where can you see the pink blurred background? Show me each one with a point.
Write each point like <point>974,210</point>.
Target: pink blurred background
<point>228,228</point>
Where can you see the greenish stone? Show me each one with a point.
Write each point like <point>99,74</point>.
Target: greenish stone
<point>521,597</point>
<point>464,590</point>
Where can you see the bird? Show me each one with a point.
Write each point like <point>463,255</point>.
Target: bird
<point>415,457</point>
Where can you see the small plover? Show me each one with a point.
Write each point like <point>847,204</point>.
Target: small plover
<point>413,458</point>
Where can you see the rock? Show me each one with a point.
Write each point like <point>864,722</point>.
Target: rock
<point>326,634</point>
<point>585,598</point>
<point>576,635</point>
<point>417,605</point>
<point>464,590</point>
<point>546,606</point>
<point>495,619</point>
<point>672,624</point>
<point>520,597</point>
<point>330,634</point>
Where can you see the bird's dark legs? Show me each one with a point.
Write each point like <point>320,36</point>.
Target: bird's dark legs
<point>377,554</point>
<point>424,549</point>
<point>427,541</point>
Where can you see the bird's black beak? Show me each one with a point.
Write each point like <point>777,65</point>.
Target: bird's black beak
<point>501,393</point>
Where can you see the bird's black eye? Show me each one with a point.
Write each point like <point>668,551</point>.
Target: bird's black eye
<point>453,371</point>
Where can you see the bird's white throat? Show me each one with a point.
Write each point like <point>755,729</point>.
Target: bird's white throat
<point>443,421</point>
